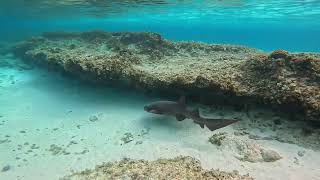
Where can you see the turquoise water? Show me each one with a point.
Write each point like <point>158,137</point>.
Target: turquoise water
<point>273,24</point>
<point>52,124</point>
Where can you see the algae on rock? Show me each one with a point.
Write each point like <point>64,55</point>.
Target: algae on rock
<point>209,73</point>
<point>177,168</point>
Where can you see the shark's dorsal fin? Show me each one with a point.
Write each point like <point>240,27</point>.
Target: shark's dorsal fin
<point>182,100</point>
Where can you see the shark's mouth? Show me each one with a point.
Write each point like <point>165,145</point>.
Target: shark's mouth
<point>151,110</point>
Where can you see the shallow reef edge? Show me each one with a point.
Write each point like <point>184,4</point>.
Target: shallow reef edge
<point>184,167</point>
<point>207,73</point>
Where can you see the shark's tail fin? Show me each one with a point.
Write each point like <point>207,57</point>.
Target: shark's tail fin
<point>212,124</point>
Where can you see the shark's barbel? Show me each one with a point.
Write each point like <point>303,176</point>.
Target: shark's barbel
<point>180,111</point>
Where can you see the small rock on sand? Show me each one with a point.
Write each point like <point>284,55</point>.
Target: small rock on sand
<point>218,138</point>
<point>6,168</point>
<point>240,133</point>
<point>270,155</point>
<point>93,118</point>
<point>244,148</point>
<point>301,153</point>
<point>128,137</point>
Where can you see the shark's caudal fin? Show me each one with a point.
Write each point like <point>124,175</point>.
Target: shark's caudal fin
<point>212,124</point>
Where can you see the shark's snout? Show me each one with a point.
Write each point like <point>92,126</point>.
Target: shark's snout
<point>146,108</point>
<point>150,109</point>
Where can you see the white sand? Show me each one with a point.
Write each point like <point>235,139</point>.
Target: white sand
<point>39,101</point>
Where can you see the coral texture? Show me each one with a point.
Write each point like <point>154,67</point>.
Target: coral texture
<point>209,73</point>
<point>177,168</point>
<point>244,149</point>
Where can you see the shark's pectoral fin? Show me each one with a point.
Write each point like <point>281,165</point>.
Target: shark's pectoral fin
<point>200,124</point>
<point>214,124</point>
<point>180,117</point>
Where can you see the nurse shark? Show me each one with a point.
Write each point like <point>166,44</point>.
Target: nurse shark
<point>180,110</point>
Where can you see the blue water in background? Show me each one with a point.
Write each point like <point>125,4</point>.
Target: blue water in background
<point>284,24</point>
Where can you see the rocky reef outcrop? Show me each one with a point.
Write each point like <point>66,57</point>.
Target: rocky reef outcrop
<point>244,149</point>
<point>209,73</point>
<point>177,168</point>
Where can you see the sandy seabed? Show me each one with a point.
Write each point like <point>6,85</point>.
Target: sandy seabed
<point>51,125</point>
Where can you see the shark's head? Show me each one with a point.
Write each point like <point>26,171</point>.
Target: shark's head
<point>147,108</point>
<point>152,108</point>
<point>166,107</point>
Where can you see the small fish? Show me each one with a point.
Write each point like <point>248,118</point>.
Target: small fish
<point>180,111</point>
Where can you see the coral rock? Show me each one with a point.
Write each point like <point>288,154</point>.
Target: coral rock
<point>270,155</point>
<point>177,168</point>
<point>246,149</point>
<point>210,73</point>
<point>279,54</point>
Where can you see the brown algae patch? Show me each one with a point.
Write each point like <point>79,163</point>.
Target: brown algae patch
<point>177,168</point>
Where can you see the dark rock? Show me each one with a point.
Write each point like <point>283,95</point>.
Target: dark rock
<point>240,133</point>
<point>307,131</point>
<point>279,54</point>
<point>93,118</point>
<point>277,122</point>
<point>218,138</point>
<point>6,168</point>
<point>128,137</point>
<point>301,153</point>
